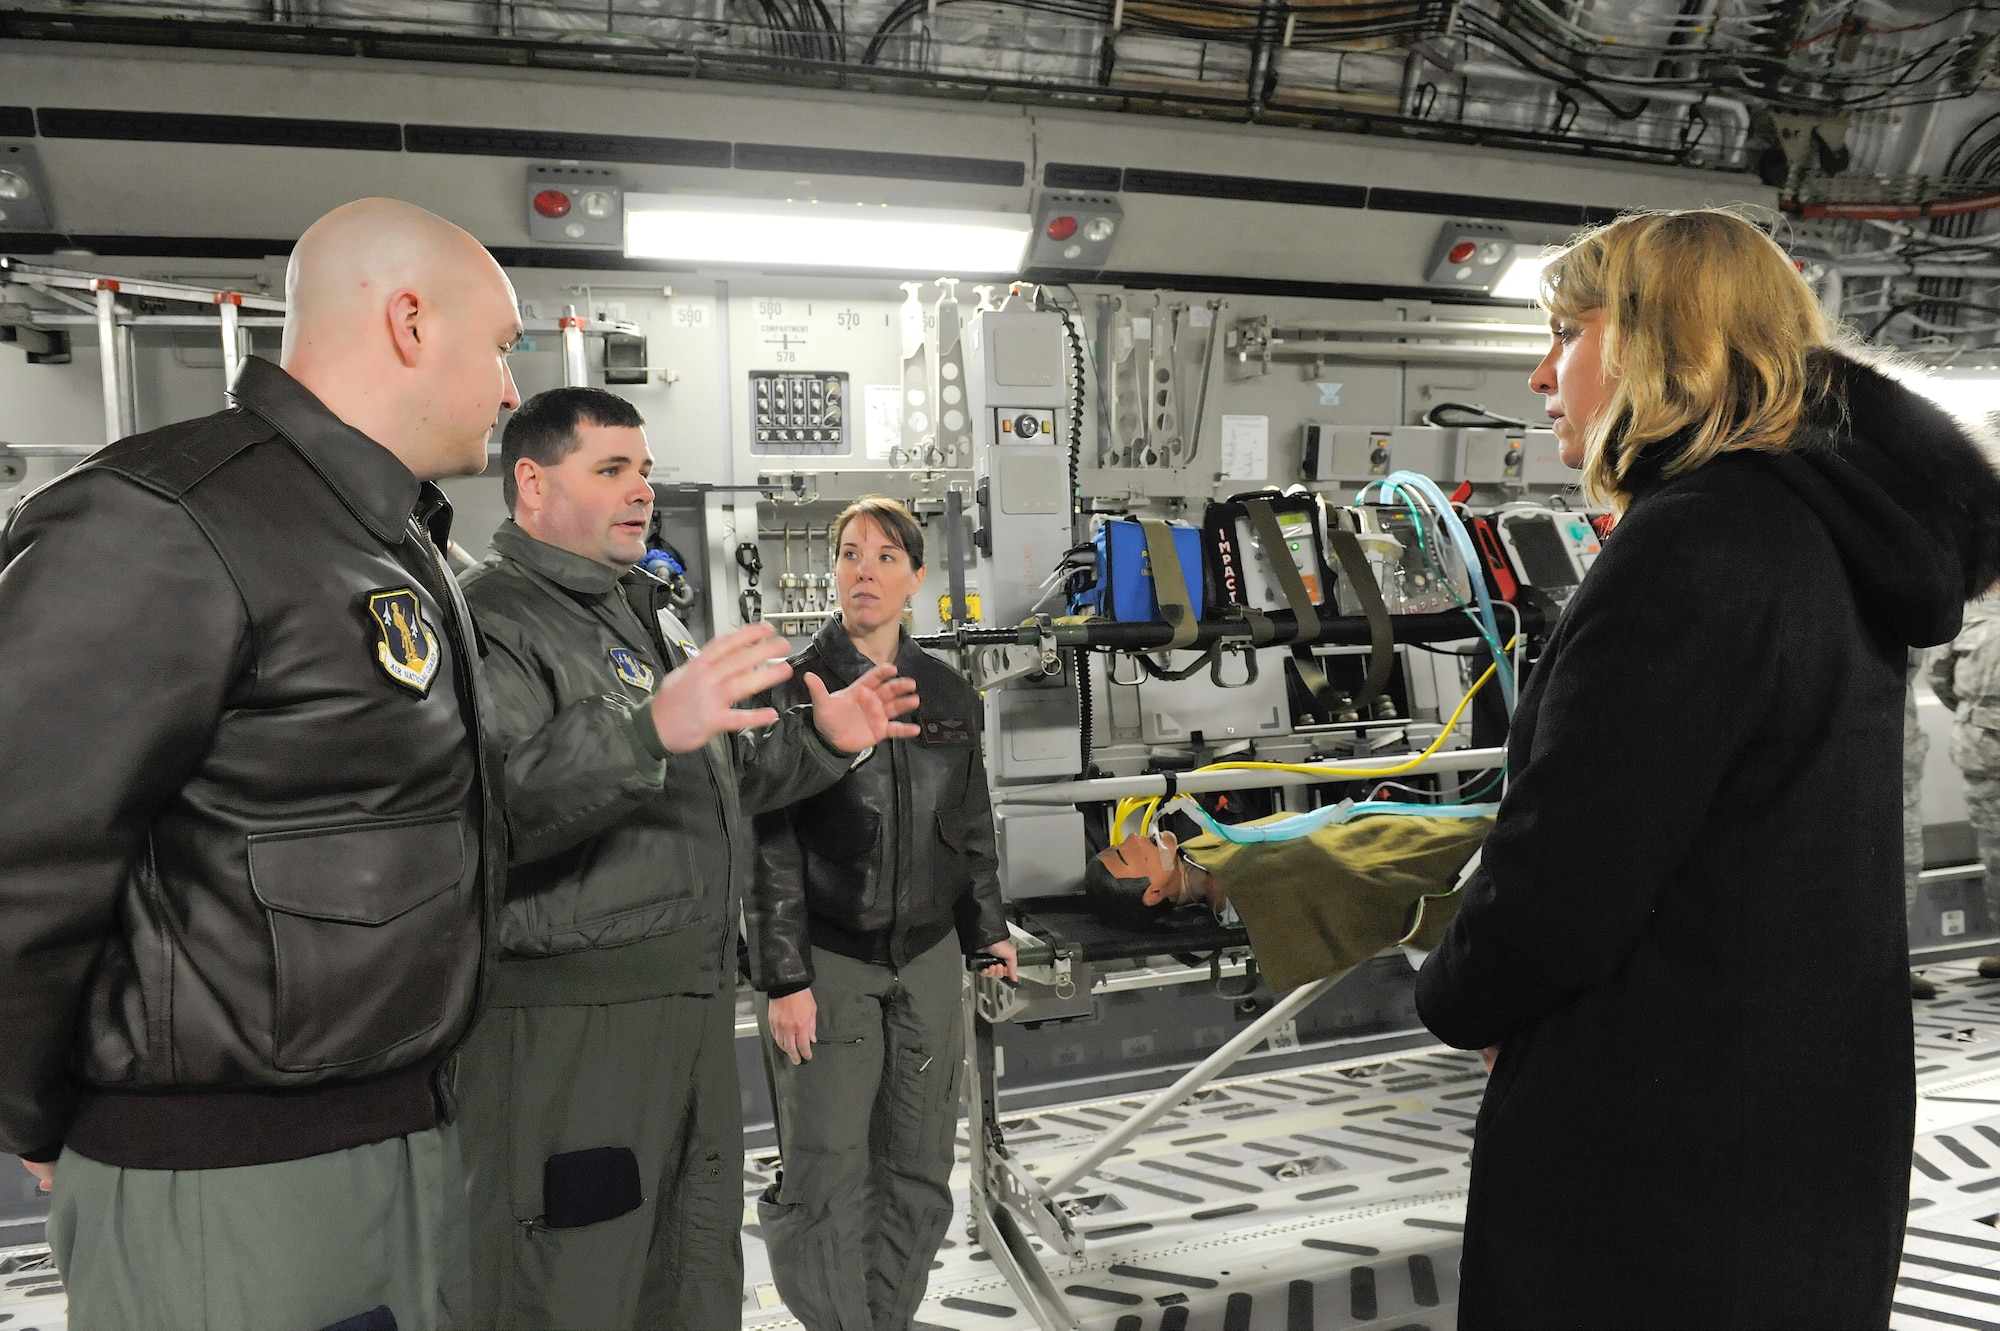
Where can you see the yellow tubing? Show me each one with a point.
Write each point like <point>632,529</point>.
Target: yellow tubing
<point>1148,806</point>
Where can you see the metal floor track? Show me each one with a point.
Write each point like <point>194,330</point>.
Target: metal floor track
<point>1328,1197</point>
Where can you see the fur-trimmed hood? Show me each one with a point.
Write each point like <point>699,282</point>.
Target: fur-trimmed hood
<point>1910,492</point>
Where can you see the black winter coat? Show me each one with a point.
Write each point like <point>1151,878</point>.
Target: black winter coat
<point>1687,933</point>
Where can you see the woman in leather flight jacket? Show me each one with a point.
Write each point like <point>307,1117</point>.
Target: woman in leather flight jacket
<point>866,897</point>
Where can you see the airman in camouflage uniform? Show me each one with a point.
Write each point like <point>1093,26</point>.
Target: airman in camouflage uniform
<point>1965,675</point>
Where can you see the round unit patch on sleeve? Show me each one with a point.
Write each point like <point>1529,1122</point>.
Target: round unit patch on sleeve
<point>405,647</point>
<point>625,663</point>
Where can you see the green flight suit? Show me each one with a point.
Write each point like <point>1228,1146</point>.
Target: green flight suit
<point>278,1247</point>
<point>600,1106</point>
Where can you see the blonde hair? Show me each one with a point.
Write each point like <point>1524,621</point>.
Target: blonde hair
<point>1708,335</point>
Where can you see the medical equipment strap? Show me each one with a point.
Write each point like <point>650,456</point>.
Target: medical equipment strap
<point>1160,672</point>
<point>1170,584</point>
<point>954,544</point>
<point>1311,677</point>
<point>1273,540</point>
<point>1381,638</point>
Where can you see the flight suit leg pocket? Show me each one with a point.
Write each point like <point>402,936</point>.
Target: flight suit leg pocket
<point>924,1111</point>
<point>591,1186</point>
<point>709,1211</point>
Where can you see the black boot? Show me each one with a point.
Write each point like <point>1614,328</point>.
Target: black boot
<point>1923,988</point>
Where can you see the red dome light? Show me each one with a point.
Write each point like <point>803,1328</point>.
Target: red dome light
<point>1062,228</point>
<point>1461,252</point>
<point>552,203</point>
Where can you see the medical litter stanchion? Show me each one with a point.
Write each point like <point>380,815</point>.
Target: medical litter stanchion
<point>576,366</point>
<point>227,306</point>
<point>996,1227</point>
<point>1193,1080</point>
<point>116,424</point>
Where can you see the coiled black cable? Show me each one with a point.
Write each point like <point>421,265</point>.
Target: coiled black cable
<point>1084,719</point>
<point>1076,405</point>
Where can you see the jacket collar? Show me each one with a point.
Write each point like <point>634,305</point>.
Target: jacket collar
<point>571,572</point>
<point>370,480</point>
<point>845,661</point>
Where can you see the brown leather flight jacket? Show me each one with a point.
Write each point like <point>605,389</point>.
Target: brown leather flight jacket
<point>245,842</point>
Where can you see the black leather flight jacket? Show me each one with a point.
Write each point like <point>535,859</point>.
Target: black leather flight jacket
<point>244,834</point>
<point>885,864</point>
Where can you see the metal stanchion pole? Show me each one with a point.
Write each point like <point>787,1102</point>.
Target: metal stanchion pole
<point>106,291</point>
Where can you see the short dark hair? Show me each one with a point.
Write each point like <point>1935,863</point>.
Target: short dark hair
<point>1119,901</point>
<point>544,428</point>
<point>894,520</point>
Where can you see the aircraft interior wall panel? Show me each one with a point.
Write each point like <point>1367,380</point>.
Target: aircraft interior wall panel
<point>1288,154</point>
<point>1503,389</point>
<point>700,423</point>
<point>233,190</point>
<point>784,334</point>
<point>51,404</point>
<point>254,83</point>
<point>1275,241</point>
<point>684,417</point>
<point>118,187</point>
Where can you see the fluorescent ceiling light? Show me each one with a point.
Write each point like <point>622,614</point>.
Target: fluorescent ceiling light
<point>1523,278</point>
<point>824,235</point>
<point>1965,394</point>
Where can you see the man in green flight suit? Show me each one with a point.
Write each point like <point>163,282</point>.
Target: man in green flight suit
<point>603,1127</point>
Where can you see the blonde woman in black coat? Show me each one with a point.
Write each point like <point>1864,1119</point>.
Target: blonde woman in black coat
<point>1686,939</point>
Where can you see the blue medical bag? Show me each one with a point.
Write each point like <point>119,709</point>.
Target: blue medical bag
<point>1124,588</point>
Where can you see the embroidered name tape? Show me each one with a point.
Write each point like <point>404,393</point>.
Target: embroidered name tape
<point>405,648</point>
<point>947,730</point>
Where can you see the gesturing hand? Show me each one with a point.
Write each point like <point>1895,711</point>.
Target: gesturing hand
<point>862,714</point>
<point>698,702</point>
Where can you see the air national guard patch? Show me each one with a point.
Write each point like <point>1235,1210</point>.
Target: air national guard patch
<point>405,647</point>
<point>630,669</point>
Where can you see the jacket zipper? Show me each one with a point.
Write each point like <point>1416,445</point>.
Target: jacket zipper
<point>897,776</point>
<point>725,973</point>
<point>463,670</point>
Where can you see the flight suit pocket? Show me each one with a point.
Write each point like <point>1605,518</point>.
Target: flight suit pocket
<point>369,936</point>
<point>591,1186</point>
<point>711,1212</point>
<point>925,1112</point>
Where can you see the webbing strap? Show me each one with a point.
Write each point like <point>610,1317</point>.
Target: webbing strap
<point>1381,639</point>
<point>1280,559</point>
<point>1160,672</point>
<point>1170,584</point>
<point>954,545</point>
<point>1311,677</point>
